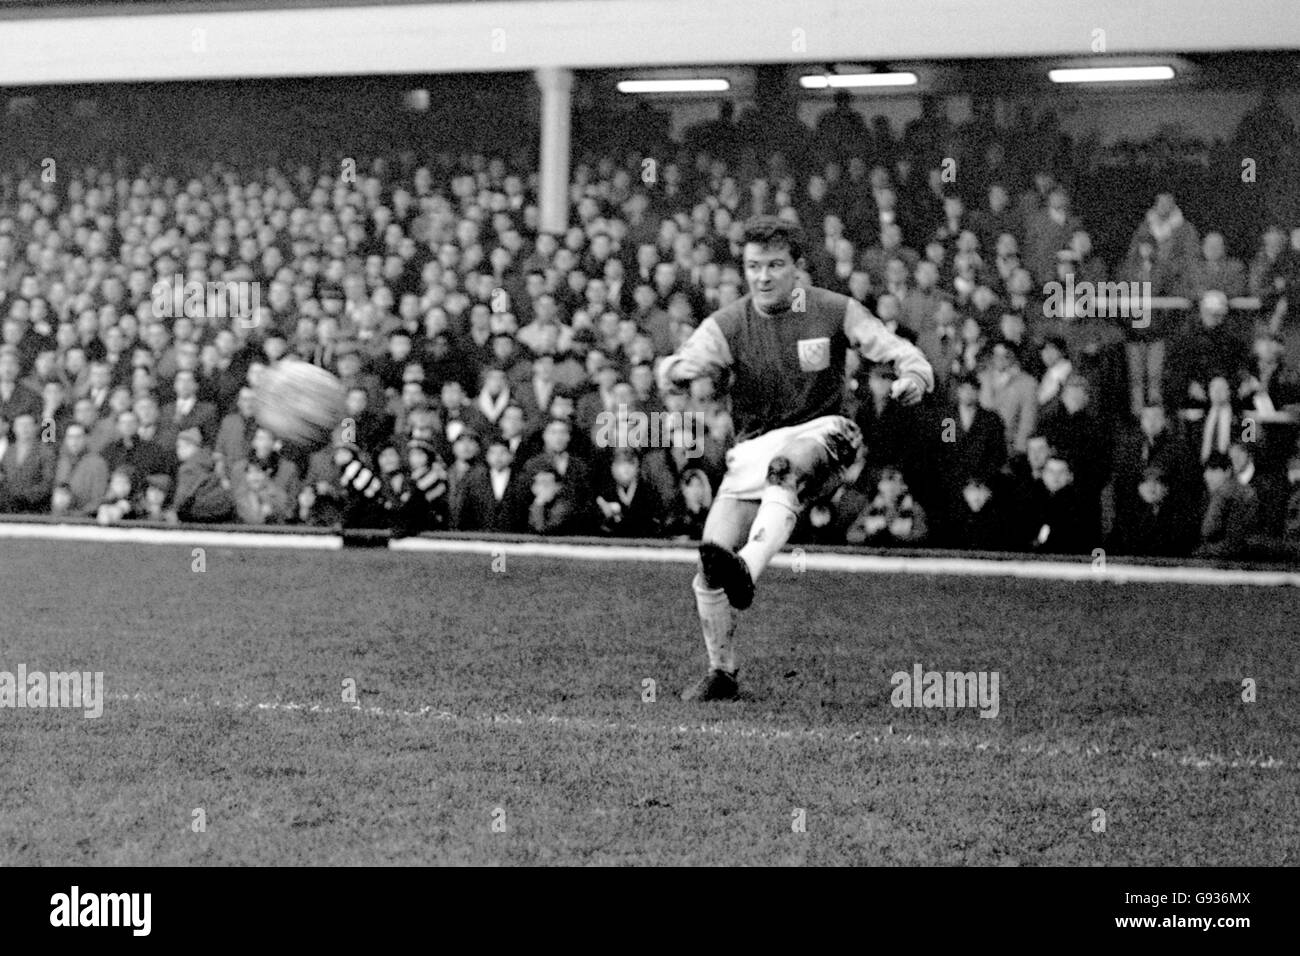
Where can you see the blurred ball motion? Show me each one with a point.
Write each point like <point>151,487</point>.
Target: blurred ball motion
<point>300,402</point>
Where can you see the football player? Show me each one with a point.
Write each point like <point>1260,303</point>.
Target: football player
<point>784,347</point>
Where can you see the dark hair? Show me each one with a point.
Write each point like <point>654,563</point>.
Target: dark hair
<point>771,231</point>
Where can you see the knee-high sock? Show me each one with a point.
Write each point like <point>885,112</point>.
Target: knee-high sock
<point>718,622</point>
<point>778,510</point>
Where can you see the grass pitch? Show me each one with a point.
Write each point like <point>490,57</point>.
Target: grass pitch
<point>501,717</point>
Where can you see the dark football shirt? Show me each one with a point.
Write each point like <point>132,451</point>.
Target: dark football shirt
<point>787,368</point>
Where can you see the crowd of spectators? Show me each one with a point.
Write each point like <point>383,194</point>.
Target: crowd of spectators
<point>485,359</point>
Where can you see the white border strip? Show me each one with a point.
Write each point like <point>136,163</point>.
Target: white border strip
<point>179,537</point>
<point>844,563</point>
<point>872,563</point>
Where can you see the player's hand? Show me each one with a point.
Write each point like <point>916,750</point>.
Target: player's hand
<point>906,390</point>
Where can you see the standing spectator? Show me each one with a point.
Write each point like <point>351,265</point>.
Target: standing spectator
<point>1010,391</point>
<point>1173,241</point>
<point>1047,232</point>
<point>1231,512</point>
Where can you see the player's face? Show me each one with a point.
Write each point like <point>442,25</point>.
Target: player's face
<point>772,274</point>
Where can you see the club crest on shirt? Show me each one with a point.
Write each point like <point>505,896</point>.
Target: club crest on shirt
<point>814,354</point>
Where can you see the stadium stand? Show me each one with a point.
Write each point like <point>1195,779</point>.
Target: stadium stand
<point>500,378</point>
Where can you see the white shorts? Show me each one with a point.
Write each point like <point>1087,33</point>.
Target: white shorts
<point>838,438</point>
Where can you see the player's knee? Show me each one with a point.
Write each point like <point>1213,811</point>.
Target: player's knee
<point>781,471</point>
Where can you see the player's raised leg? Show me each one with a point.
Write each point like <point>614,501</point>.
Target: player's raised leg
<point>806,466</point>
<point>725,528</point>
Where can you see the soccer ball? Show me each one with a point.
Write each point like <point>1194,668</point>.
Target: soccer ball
<point>299,402</point>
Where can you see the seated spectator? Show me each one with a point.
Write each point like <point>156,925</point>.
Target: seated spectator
<point>1199,353</point>
<point>551,511</point>
<point>888,428</point>
<point>259,499</point>
<point>629,507</point>
<point>1062,523</point>
<point>265,452</point>
<point>972,438</point>
<point>119,501</point>
<point>81,473</point>
<point>570,469</point>
<point>1291,525</point>
<point>892,518</point>
<point>188,411</point>
<point>15,398</point>
<point>1055,356</point>
<point>420,491</point>
<point>202,495</point>
<point>1231,512</point>
<point>235,434</point>
<point>982,522</point>
<point>128,449</point>
<point>1077,433</point>
<point>1219,426</point>
<point>1269,383</point>
<point>153,505</point>
<point>27,469</point>
<point>494,394</point>
<point>696,498</point>
<point>492,494</point>
<point>1213,270</point>
<point>1159,524</point>
<point>1269,489</point>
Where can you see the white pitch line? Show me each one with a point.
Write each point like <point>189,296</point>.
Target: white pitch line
<point>729,730</point>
